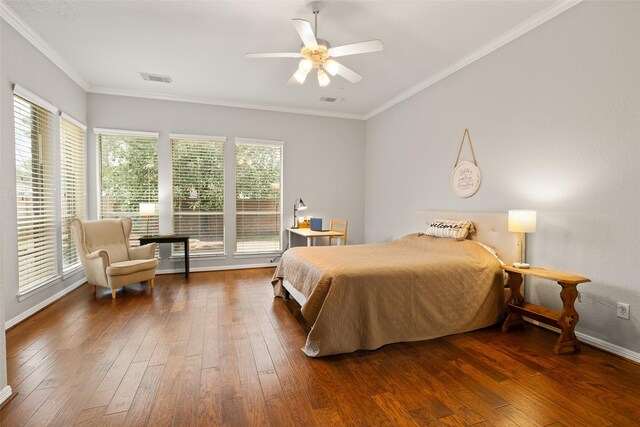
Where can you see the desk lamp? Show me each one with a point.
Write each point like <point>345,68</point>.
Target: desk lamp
<point>522,221</point>
<point>147,209</point>
<point>297,206</point>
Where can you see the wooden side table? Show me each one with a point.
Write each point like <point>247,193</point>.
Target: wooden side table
<point>566,320</point>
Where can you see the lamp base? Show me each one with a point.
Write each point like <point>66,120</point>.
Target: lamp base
<point>521,265</point>
<point>295,226</point>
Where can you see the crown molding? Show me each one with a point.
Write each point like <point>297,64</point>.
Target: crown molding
<point>39,43</point>
<point>517,31</point>
<point>194,100</point>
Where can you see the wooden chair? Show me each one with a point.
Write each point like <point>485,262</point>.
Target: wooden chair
<point>340,225</point>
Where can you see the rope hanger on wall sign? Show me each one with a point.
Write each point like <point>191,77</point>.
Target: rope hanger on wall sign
<point>466,135</point>
<point>466,177</point>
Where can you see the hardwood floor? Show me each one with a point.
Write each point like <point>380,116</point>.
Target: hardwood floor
<point>217,349</point>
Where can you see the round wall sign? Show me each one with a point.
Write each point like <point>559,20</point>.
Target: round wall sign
<point>465,179</point>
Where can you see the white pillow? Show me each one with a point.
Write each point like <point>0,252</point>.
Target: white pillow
<point>505,275</point>
<point>491,251</point>
<point>452,229</point>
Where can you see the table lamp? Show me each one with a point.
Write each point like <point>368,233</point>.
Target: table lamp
<point>297,206</point>
<point>522,221</point>
<point>147,209</point>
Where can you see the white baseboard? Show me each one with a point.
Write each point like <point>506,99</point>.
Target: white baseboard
<point>5,393</point>
<point>595,342</point>
<point>215,268</point>
<point>33,310</point>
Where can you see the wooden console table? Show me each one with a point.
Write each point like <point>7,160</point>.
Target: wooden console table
<point>566,320</point>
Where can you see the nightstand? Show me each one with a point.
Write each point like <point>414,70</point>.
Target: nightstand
<point>566,320</point>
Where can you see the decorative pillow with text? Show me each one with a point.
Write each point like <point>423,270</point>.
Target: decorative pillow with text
<point>458,230</point>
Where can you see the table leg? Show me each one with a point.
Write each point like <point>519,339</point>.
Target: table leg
<point>515,297</point>
<point>186,259</point>
<point>568,319</point>
<point>289,241</point>
<point>309,242</point>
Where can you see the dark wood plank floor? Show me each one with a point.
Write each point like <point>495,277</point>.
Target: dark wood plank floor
<point>217,349</point>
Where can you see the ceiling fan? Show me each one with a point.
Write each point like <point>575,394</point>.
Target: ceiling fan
<point>317,53</point>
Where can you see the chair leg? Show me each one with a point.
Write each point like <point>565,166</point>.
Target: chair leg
<point>113,293</point>
<point>95,289</point>
<point>152,282</point>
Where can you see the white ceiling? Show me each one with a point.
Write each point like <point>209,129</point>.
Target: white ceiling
<point>201,45</point>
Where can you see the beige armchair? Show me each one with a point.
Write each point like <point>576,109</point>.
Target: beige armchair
<point>107,258</point>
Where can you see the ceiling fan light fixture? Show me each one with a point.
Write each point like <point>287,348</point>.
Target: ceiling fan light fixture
<point>331,67</point>
<point>300,75</point>
<point>323,79</point>
<point>306,65</point>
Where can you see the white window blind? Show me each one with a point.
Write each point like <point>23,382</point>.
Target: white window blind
<point>35,189</point>
<point>128,177</point>
<point>198,194</point>
<point>72,180</point>
<point>258,197</point>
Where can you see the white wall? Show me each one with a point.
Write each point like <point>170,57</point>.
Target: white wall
<point>26,66</point>
<point>323,159</point>
<point>555,121</point>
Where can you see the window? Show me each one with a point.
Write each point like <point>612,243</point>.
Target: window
<point>198,193</point>
<point>129,177</point>
<point>72,179</point>
<point>258,196</point>
<point>35,191</point>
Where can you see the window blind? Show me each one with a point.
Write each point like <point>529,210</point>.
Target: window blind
<point>35,190</point>
<point>128,177</point>
<point>198,194</point>
<point>258,197</point>
<point>72,181</point>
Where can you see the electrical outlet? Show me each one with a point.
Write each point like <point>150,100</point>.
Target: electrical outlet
<point>623,310</point>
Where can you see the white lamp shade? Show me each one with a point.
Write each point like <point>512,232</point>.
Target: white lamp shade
<point>300,75</point>
<point>522,221</point>
<point>306,65</point>
<point>331,67</point>
<point>323,79</point>
<point>147,209</point>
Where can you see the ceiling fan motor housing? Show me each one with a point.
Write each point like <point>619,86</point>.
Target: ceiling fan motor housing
<point>317,56</point>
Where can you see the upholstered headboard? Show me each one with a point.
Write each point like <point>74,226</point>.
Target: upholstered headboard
<point>491,229</point>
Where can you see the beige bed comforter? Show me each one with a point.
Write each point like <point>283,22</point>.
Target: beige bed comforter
<point>415,288</point>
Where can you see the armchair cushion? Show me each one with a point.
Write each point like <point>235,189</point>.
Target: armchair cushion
<point>107,235</point>
<point>133,266</point>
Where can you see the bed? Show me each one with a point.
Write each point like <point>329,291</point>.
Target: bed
<point>417,287</point>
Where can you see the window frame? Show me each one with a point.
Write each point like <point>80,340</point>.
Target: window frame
<point>64,116</point>
<point>121,132</point>
<point>201,138</point>
<point>53,156</point>
<point>254,141</point>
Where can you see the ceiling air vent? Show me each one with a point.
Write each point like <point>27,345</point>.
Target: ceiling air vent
<point>331,100</point>
<point>155,78</point>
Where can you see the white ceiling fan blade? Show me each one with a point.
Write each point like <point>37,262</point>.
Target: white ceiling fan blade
<point>306,33</point>
<point>355,48</point>
<point>274,55</point>
<point>348,73</point>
